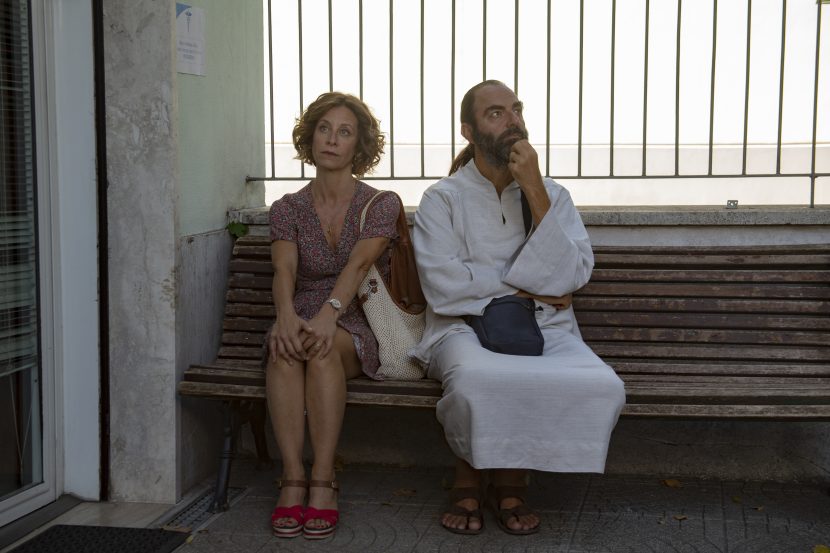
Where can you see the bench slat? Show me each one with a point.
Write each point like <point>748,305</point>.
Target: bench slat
<point>791,369</point>
<point>692,411</point>
<point>701,320</point>
<point>701,305</point>
<point>721,336</point>
<point>708,290</point>
<point>247,324</point>
<point>674,274</point>
<point>698,351</point>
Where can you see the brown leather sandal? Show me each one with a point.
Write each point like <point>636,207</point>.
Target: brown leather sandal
<point>458,494</point>
<point>496,494</point>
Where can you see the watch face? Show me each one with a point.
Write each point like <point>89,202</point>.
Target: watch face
<point>335,303</point>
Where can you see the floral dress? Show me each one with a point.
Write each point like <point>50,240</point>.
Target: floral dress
<point>293,218</point>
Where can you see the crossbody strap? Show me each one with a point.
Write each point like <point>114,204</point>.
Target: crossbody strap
<point>526,215</point>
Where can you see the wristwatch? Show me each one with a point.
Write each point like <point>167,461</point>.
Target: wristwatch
<point>335,303</point>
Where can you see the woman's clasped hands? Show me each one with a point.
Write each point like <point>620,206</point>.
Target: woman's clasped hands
<point>295,339</point>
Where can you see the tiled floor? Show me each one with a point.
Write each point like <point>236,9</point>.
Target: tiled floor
<point>396,510</point>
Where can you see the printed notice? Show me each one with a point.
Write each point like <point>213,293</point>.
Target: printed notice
<point>190,39</point>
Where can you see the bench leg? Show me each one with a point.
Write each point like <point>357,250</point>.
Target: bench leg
<point>230,429</point>
<point>257,417</point>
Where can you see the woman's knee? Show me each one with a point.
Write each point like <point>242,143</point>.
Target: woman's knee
<point>282,369</point>
<point>325,368</point>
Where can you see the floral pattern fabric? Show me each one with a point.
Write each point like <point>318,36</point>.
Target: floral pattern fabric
<point>293,218</point>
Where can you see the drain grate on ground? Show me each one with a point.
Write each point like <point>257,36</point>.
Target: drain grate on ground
<point>196,514</point>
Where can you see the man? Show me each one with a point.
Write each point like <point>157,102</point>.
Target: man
<point>509,413</point>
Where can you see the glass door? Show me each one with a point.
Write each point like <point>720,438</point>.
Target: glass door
<point>21,424</point>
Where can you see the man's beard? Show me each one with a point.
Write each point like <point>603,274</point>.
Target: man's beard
<point>496,150</point>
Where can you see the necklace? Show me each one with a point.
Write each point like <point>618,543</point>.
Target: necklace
<point>332,218</point>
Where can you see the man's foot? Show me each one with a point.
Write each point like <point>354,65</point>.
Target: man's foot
<point>512,513</point>
<point>463,516</point>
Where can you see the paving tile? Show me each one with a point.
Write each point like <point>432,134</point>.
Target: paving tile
<point>207,541</point>
<point>248,516</point>
<point>758,501</point>
<point>777,536</point>
<point>647,532</point>
<point>696,499</point>
<point>394,510</point>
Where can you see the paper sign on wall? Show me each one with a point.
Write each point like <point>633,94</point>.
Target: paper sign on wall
<point>190,39</point>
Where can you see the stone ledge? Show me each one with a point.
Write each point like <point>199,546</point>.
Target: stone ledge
<point>650,215</point>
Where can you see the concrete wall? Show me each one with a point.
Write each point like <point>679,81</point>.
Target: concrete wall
<point>141,203</point>
<point>220,129</point>
<point>178,150</point>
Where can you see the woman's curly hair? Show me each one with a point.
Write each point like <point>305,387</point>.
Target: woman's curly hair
<point>370,140</point>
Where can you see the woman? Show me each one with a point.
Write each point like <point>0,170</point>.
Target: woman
<point>321,337</point>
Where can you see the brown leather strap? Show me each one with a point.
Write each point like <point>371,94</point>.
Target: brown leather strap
<point>291,484</point>
<point>457,494</point>
<point>503,492</point>
<point>324,484</point>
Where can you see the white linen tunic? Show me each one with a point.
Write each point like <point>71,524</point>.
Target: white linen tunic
<point>554,412</point>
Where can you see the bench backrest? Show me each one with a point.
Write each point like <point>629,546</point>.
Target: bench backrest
<point>702,311</point>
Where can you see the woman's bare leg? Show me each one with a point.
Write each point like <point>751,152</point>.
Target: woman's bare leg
<point>285,390</point>
<point>325,397</point>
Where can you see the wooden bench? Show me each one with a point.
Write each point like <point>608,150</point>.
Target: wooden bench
<point>694,332</point>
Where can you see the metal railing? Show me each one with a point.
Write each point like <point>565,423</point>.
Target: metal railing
<point>332,24</point>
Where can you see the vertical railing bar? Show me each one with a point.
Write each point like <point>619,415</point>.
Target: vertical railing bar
<point>360,43</point>
<point>516,47</point>
<point>423,165</point>
<point>547,105</point>
<point>579,111</point>
<point>613,61</point>
<point>781,86</point>
<point>645,93</point>
<point>484,40</point>
<point>391,91</point>
<point>677,91</point>
<point>300,36</point>
<point>746,85</point>
<point>271,89</point>
<point>452,86</point>
<point>712,83</point>
<point>815,110</point>
<point>331,52</point>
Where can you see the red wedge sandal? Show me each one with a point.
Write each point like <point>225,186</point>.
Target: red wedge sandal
<point>295,512</point>
<point>330,516</point>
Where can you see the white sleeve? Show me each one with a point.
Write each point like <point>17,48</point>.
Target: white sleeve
<point>559,249</point>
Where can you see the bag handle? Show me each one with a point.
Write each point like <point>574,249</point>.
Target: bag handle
<point>366,207</point>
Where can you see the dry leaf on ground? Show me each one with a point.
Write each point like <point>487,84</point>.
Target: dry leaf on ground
<point>672,483</point>
<point>404,492</point>
<point>680,517</point>
<point>821,549</point>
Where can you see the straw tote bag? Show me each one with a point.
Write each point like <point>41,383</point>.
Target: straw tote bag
<point>396,310</point>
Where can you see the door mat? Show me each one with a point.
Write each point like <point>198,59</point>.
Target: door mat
<point>64,538</point>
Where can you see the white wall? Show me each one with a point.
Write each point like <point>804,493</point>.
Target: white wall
<point>75,241</point>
